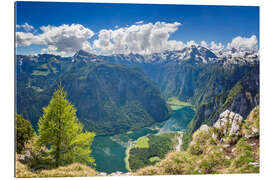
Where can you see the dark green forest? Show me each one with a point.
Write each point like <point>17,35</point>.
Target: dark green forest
<point>159,146</point>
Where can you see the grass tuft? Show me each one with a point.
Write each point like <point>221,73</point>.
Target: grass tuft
<point>72,170</point>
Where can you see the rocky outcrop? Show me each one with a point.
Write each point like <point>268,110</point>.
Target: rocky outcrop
<point>231,126</point>
<point>229,123</point>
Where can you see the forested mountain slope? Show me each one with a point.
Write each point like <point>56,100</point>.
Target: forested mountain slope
<point>118,93</point>
<point>109,98</point>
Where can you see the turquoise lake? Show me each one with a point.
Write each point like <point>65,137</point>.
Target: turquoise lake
<point>109,151</point>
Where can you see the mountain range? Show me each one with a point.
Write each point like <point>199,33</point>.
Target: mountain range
<point>117,93</point>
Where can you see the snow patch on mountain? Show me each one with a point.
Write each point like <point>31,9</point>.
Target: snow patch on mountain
<point>192,54</point>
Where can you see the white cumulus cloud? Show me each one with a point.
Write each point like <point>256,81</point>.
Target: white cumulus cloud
<point>27,39</point>
<point>104,41</point>
<point>244,44</point>
<point>64,39</point>
<point>139,22</point>
<point>175,45</point>
<point>138,38</point>
<point>25,26</point>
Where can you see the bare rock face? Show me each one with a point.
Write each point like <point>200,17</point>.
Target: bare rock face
<point>229,123</point>
<point>237,120</point>
<point>222,119</point>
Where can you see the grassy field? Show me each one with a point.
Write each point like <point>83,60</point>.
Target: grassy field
<point>142,142</point>
<point>176,104</point>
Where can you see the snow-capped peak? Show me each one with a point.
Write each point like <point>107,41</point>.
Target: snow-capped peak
<point>191,54</point>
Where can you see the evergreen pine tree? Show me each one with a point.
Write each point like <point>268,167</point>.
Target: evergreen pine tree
<point>62,133</point>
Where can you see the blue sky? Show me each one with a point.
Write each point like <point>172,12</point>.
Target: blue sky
<point>198,23</point>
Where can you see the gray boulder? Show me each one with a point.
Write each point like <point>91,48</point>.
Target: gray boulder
<point>229,122</point>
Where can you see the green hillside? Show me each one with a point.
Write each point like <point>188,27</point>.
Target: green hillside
<point>213,152</point>
<point>110,99</point>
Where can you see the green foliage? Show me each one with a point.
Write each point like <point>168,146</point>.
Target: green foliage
<point>175,163</point>
<point>24,132</point>
<point>142,142</point>
<point>244,152</point>
<point>154,159</point>
<point>212,160</point>
<point>232,93</point>
<point>244,156</point>
<point>251,126</point>
<point>159,146</point>
<point>186,139</point>
<point>200,142</point>
<point>256,117</point>
<point>60,132</point>
<point>73,170</point>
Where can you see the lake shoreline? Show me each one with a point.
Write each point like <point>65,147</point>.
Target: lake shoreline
<point>115,149</point>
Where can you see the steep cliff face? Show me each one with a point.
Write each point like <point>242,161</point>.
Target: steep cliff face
<point>248,96</point>
<point>241,99</point>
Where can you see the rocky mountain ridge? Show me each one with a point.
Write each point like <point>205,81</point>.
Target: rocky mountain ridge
<point>195,54</point>
<point>195,74</point>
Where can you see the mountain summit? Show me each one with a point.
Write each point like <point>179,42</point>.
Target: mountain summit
<point>191,54</point>
<point>85,56</point>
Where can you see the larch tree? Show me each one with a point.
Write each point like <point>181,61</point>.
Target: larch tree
<point>61,132</point>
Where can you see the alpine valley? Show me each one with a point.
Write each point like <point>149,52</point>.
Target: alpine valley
<point>129,100</point>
